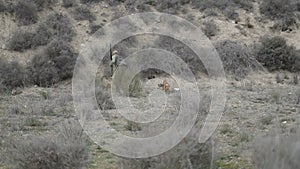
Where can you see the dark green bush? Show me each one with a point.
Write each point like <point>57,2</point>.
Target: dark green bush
<point>276,9</point>
<point>296,66</point>
<point>21,41</point>
<point>54,64</point>
<point>83,13</point>
<point>283,12</point>
<point>12,75</point>
<point>275,54</point>
<point>227,7</point>
<point>42,4</point>
<point>238,60</point>
<point>68,3</point>
<point>171,7</point>
<point>89,1</point>
<point>222,5</point>
<point>2,6</point>
<point>210,28</point>
<point>26,13</point>
<point>244,4</point>
<point>285,24</point>
<point>57,26</point>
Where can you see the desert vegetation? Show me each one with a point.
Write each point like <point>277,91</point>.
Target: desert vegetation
<point>257,41</point>
<point>275,54</point>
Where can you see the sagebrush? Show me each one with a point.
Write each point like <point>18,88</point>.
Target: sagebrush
<point>68,3</point>
<point>54,64</point>
<point>275,54</point>
<point>43,4</point>
<point>210,28</point>
<point>12,75</point>
<point>83,13</point>
<point>55,27</point>
<point>68,149</point>
<point>26,13</point>
<point>277,152</point>
<point>238,59</point>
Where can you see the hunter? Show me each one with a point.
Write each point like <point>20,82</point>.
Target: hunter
<point>114,61</point>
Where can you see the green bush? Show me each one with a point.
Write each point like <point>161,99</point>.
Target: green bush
<point>210,28</point>
<point>2,6</point>
<point>276,9</point>
<point>68,3</point>
<point>275,54</point>
<point>26,13</point>
<point>56,26</point>
<point>21,41</point>
<point>64,151</point>
<point>54,64</point>
<point>42,4</point>
<point>83,13</point>
<point>285,24</point>
<point>12,75</point>
<point>226,6</point>
<point>89,1</point>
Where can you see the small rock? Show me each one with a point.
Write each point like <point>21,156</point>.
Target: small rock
<point>3,46</point>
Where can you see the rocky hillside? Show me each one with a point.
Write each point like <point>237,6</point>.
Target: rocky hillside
<point>257,40</point>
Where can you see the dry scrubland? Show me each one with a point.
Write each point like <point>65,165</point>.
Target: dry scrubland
<point>257,40</point>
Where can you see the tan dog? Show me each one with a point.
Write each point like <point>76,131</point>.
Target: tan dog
<point>165,86</point>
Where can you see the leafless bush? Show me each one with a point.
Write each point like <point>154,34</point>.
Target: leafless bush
<point>54,64</point>
<point>67,150</point>
<point>210,28</point>
<point>238,59</point>
<point>83,13</point>
<point>26,13</point>
<point>104,99</point>
<point>275,54</point>
<point>189,153</point>
<point>182,51</point>
<point>277,152</point>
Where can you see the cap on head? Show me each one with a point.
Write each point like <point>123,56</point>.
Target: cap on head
<point>115,52</point>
